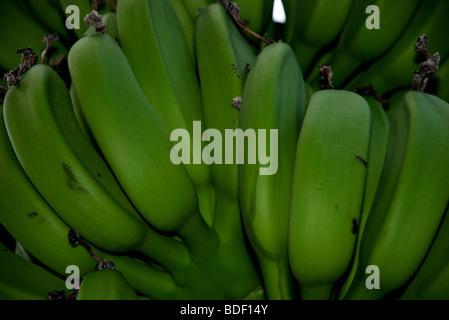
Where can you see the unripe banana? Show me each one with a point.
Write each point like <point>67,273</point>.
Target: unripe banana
<point>273,100</point>
<point>216,36</point>
<point>377,148</point>
<point>410,200</point>
<point>133,141</point>
<point>30,220</point>
<point>432,279</point>
<point>67,170</point>
<point>23,280</point>
<point>327,191</point>
<point>105,285</point>
<point>153,41</point>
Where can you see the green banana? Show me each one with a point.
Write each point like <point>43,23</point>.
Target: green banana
<point>395,68</point>
<point>42,233</point>
<point>105,285</point>
<point>137,148</point>
<point>380,124</point>
<point>187,24</point>
<point>222,49</point>
<point>358,45</point>
<point>30,220</point>
<point>432,279</point>
<point>67,170</point>
<point>402,206</point>
<point>229,56</point>
<point>23,280</point>
<point>317,24</point>
<point>274,98</point>
<point>153,41</point>
<point>133,141</point>
<point>332,148</point>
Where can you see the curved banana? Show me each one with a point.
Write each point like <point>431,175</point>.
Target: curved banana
<point>332,148</point>
<point>67,170</point>
<point>105,285</point>
<point>23,280</point>
<point>42,233</point>
<point>30,220</point>
<point>216,36</point>
<point>274,100</point>
<point>417,150</point>
<point>380,124</point>
<point>432,279</point>
<point>214,33</point>
<point>395,68</point>
<point>137,148</point>
<point>317,24</point>
<point>154,43</point>
<point>358,44</point>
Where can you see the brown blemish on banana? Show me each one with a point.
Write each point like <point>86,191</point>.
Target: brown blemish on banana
<point>362,160</point>
<point>71,180</point>
<point>33,215</point>
<point>355,227</point>
<point>236,70</point>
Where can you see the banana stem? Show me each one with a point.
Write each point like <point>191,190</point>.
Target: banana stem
<point>200,239</point>
<point>278,281</point>
<point>155,284</point>
<point>165,250</point>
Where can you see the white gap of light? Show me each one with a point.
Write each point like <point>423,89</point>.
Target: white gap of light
<point>279,12</point>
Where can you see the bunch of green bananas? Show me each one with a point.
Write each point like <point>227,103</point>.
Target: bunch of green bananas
<point>284,188</point>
